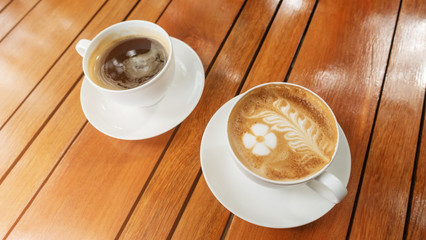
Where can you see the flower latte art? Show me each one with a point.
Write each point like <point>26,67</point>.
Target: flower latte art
<point>261,142</point>
<point>282,132</point>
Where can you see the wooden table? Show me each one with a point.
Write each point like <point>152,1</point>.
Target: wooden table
<point>60,178</point>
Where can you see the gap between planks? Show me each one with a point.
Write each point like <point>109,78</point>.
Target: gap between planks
<point>416,162</point>
<point>175,224</point>
<point>373,126</point>
<point>80,78</point>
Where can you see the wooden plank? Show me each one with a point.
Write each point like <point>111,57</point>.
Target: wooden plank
<point>205,216</point>
<point>183,22</point>
<point>88,195</point>
<point>28,120</point>
<point>148,10</point>
<point>412,13</point>
<point>280,45</point>
<point>34,51</point>
<point>22,183</point>
<point>98,180</point>
<point>19,76</point>
<point>35,110</point>
<point>339,53</point>
<point>416,228</point>
<point>160,203</point>
<point>3,4</point>
<point>383,200</point>
<point>10,16</point>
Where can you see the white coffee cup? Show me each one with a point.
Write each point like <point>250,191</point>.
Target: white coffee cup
<point>322,181</point>
<point>147,94</point>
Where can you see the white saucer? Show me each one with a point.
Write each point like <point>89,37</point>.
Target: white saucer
<point>274,208</point>
<point>132,123</point>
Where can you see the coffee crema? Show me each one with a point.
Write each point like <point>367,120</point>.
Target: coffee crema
<point>128,63</point>
<point>282,132</point>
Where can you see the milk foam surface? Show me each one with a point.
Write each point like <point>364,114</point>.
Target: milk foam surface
<point>282,132</point>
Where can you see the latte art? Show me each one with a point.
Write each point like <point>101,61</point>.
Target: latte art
<point>282,132</point>
<point>260,141</point>
<point>300,132</point>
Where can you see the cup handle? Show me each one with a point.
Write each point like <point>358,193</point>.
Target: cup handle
<point>82,46</point>
<point>329,187</point>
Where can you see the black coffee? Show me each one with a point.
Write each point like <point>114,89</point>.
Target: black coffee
<point>132,62</point>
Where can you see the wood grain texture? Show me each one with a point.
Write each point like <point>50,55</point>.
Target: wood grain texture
<point>343,58</point>
<point>49,92</point>
<point>11,15</point>
<point>20,74</point>
<point>187,21</point>
<point>288,24</point>
<point>26,178</point>
<point>3,4</point>
<point>204,217</point>
<point>280,45</point>
<point>92,190</point>
<point>60,178</point>
<point>416,228</point>
<point>36,109</point>
<point>149,10</point>
<point>383,200</point>
<point>56,25</point>
<point>28,120</point>
<point>100,183</point>
<point>166,192</point>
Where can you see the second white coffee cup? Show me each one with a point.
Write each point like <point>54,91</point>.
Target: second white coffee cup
<point>321,181</point>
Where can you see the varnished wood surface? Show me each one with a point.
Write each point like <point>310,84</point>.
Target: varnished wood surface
<point>60,178</point>
<point>392,157</point>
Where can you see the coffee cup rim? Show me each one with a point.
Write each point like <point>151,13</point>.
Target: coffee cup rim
<point>275,182</point>
<point>104,33</point>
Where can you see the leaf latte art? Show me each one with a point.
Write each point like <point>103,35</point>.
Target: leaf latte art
<point>282,132</point>
<point>299,131</point>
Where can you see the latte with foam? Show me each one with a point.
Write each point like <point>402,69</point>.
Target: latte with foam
<point>282,132</point>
